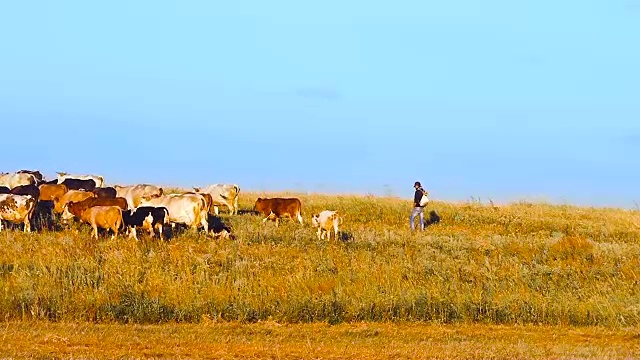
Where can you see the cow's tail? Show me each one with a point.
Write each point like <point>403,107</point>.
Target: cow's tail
<point>166,216</point>
<point>32,202</point>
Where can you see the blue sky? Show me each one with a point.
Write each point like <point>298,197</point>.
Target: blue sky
<point>490,99</point>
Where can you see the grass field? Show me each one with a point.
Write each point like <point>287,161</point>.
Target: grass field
<point>535,268</point>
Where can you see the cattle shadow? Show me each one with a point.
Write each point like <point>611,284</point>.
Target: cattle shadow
<point>248,212</point>
<point>216,225</point>
<point>345,236</point>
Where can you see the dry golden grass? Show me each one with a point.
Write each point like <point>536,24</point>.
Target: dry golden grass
<point>316,341</point>
<point>521,264</point>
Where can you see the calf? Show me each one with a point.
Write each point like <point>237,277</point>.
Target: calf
<point>147,217</point>
<point>78,184</point>
<point>105,192</point>
<point>325,221</point>
<point>104,217</point>
<point>276,208</point>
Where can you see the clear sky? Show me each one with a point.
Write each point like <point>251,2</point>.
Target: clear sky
<point>491,99</point>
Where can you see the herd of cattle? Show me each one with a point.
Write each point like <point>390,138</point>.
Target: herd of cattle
<point>26,197</point>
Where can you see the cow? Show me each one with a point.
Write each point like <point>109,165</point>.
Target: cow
<point>62,176</point>
<point>50,191</point>
<point>71,195</point>
<point>223,195</point>
<point>276,208</point>
<point>134,194</point>
<point>79,184</point>
<point>219,229</point>
<point>325,221</point>
<point>35,173</point>
<point>5,190</point>
<point>75,209</point>
<point>31,190</point>
<point>104,217</point>
<point>43,216</point>
<point>208,199</point>
<point>12,180</point>
<point>188,209</point>
<point>17,209</point>
<point>147,217</point>
<point>105,192</point>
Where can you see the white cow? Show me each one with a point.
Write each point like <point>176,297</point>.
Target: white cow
<point>188,209</point>
<point>17,209</point>
<point>97,178</point>
<point>12,180</point>
<point>135,193</point>
<point>223,195</point>
<point>325,221</point>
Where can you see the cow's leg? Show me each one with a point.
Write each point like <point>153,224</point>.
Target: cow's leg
<point>319,233</point>
<point>159,229</point>
<point>215,210</point>
<point>27,225</point>
<point>300,218</point>
<point>0,224</point>
<point>133,233</point>
<point>204,222</point>
<point>235,206</point>
<point>94,232</point>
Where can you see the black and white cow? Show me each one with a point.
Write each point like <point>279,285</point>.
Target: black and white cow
<point>147,217</point>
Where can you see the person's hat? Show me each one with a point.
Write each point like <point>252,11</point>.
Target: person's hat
<point>417,184</point>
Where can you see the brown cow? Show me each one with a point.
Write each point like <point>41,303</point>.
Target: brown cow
<point>71,195</point>
<point>75,209</point>
<point>104,217</point>
<point>105,192</point>
<point>276,208</point>
<point>49,191</point>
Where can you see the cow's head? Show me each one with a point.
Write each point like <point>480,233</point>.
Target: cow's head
<point>256,206</point>
<point>314,220</point>
<point>66,213</point>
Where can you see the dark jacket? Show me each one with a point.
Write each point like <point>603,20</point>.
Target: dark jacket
<point>417,196</point>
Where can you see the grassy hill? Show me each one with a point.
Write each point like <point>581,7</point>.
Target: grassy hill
<point>516,264</point>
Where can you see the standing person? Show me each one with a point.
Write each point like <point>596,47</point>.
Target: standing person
<point>418,209</point>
